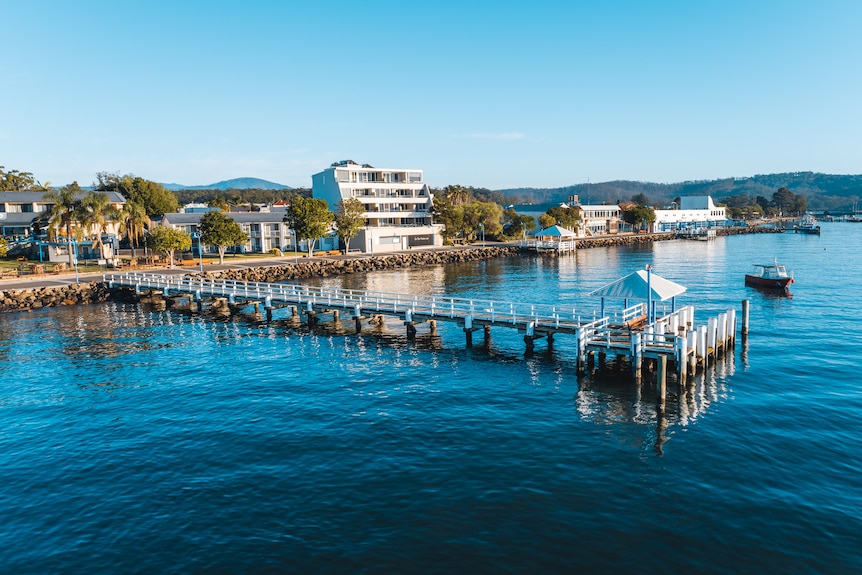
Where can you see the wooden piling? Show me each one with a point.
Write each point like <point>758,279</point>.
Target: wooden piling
<point>745,318</point>
<point>661,381</point>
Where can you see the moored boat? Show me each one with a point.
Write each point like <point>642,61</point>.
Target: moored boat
<point>769,276</point>
<point>807,225</point>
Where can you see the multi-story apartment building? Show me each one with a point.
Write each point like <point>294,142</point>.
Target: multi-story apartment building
<point>397,205</point>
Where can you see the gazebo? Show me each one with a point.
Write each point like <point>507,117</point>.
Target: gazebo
<point>641,285</point>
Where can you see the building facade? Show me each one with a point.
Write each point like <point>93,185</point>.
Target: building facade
<point>397,205</point>
<point>694,212</point>
<point>265,230</point>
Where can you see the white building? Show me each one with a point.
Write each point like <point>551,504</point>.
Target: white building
<point>597,220</point>
<point>397,205</point>
<point>694,212</point>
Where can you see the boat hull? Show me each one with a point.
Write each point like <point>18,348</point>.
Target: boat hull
<point>774,283</point>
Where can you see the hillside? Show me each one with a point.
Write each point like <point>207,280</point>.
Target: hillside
<point>234,184</point>
<point>822,191</point>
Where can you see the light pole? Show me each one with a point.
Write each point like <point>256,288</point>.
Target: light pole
<point>482,227</point>
<point>75,243</point>
<point>524,228</point>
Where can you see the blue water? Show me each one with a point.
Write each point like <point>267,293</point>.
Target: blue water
<point>136,441</point>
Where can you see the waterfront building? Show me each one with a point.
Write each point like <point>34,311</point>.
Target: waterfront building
<point>24,221</point>
<point>397,205</point>
<point>266,230</point>
<point>694,212</point>
<point>597,219</point>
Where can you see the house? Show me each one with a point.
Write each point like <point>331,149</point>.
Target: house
<point>694,212</point>
<point>597,220</point>
<point>23,220</point>
<point>397,205</point>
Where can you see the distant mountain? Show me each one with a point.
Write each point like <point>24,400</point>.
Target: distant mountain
<point>234,184</point>
<point>822,191</point>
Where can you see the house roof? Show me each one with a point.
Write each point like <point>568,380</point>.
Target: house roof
<point>238,217</point>
<point>640,285</point>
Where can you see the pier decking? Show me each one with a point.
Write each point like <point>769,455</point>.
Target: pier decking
<point>623,333</point>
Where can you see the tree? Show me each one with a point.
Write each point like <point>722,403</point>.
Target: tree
<point>221,231</point>
<point>566,217</point>
<point>452,217</point>
<point>546,221</point>
<point>167,239</point>
<point>641,199</point>
<point>15,181</point>
<point>96,210</point>
<point>456,195</point>
<point>516,225</point>
<point>349,219</point>
<point>133,223</point>
<point>65,209</point>
<point>638,216</point>
<point>3,244</point>
<point>483,215</point>
<point>156,199</point>
<point>310,219</point>
<point>220,203</point>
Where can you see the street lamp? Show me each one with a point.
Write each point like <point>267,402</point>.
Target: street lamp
<point>482,227</point>
<point>524,228</point>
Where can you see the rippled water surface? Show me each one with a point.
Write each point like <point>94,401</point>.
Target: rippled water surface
<point>133,440</point>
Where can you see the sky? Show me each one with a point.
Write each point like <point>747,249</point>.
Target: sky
<point>497,95</point>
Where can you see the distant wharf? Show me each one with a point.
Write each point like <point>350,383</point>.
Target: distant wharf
<point>625,334</point>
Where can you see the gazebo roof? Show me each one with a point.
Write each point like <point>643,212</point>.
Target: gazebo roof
<point>557,231</point>
<point>634,286</point>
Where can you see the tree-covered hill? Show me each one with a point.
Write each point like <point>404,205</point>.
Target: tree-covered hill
<point>234,184</point>
<point>822,191</point>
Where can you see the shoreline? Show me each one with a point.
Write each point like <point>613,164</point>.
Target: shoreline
<point>28,294</point>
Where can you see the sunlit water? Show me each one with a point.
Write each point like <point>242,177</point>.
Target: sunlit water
<point>153,442</point>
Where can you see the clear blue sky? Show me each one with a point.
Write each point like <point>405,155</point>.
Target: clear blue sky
<point>489,94</point>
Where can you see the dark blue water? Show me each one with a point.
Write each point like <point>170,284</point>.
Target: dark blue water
<point>136,441</point>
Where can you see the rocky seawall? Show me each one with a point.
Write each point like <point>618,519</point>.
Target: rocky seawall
<point>37,298</point>
<point>329,267</point>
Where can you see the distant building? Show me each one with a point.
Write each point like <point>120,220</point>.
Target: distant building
<point>597,219</point>
<point>397,205</point>
<point>694,212</point>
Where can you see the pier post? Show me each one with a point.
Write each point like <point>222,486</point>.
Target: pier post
<point>637,356</point>
<point>433,326</point>
<point>487,335</point>
<point>550,341</point>
<point>580,338</point>
<point>745,318</point>
<point>662,381</point>
<point>468,334</point>
<point>528,341</point>
<point>267,305</point>
<point>357,319</point>
<point>682,360</point>
<point>411,331</point>
<point>603,359</point>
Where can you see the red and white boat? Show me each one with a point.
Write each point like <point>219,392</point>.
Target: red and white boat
<point>769,276</point>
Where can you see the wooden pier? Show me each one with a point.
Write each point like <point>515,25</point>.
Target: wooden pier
<point>623,334</point>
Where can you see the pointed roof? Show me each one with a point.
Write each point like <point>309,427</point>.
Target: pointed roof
<point>557,231</point>
<point>634,286</point>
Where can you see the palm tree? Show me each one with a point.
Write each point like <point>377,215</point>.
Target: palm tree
<point>133,223</point>
<point>96,212</point>
<point>65,210</point>
<point>456,195</point>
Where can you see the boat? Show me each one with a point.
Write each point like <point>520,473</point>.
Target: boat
<point>807,225</point>
<point>769,276</point>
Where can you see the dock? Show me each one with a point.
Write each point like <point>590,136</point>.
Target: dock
<point>623,334</point>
